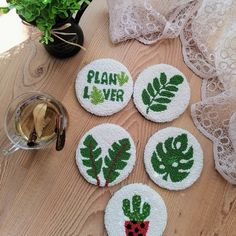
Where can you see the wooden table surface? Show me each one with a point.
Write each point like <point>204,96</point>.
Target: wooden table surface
<point>43,193</point>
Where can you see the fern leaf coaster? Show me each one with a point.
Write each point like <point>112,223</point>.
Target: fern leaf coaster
<point>136,210</point>
<point>104,87</point>
<point>173,158</point>
<point>161,93</point>
<point>106,155</point>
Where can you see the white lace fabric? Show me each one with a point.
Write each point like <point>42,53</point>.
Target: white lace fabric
<point>212,117</point>
<point>209,49</point>
<point>140,19</point>
<point>207,30</point>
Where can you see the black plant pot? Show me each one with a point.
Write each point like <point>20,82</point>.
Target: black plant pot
<point>60,48</point>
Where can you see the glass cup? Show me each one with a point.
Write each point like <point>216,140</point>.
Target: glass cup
<point>34,121</point>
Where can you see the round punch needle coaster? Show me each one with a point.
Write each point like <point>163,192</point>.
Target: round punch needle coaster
<point>106,155</point>
<point>135,210</point>
<point>104,87</point>
<point>161,93</point>
<point>173,158</point>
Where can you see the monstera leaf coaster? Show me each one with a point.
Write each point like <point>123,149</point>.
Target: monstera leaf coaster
<point>173,158</point>
<point>106,155</point>
<point>135,210</point>
<point>104,87</point>
<point>161,93</point>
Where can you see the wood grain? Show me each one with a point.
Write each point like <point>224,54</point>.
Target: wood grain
<point>42,192</point>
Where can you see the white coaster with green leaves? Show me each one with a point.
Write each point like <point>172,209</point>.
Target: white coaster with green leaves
<point>104,87</point>
<point>161,93</point>
<point>106,155</point>
<point>135,210</point>
<point>173,158</point>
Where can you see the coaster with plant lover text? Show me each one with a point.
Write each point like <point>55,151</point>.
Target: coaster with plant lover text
<point>104,87</point>
<point>161,93</point>
<point>106,155</point>
<point>173,158</point>
<point>136,210</point>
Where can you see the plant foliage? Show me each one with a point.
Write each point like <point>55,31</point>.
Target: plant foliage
<point>96,96</point>
<point>92,159</point>
<point>43,13</point>
<point>136,213</point>
<point>160,92</point>
<point>116,160</point>
<point>173,158</point>
<point>122,78</point>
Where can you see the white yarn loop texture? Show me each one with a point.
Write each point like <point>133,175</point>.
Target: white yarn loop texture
<point>207,30</point>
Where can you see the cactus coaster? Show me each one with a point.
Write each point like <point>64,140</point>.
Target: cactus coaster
<point>161,93</point>
<point>106,155</point>
<point>104,87</point>
<point>173,158</point>
<point>136,225</point>
<point>135,210</point>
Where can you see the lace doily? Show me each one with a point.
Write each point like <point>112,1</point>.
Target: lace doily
<point>207,30</point>
<point>209,43</point>
<point>140,19</point>
<point>212,117</point>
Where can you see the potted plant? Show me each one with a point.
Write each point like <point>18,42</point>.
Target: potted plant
<point>61,35</point>
<point>136,225</point>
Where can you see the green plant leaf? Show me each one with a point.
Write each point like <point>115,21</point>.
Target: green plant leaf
<point>139,211</point>
<point>167,94</point>
<point>92,159</point>
<point>97,96</point>
<point>150,90</point>
<point>160,92</point>
<point>158,107</point>
<point>145,97</point>
<point>116,160</point>
<point>163,78</point>
<point>4,10</point>
<point>123,78</point>
<point>171,88</point>
<point>163,100</point>
<point>44,13</point>
<point>156,84</point>
<point>176,80</point>
<point>173,159</point>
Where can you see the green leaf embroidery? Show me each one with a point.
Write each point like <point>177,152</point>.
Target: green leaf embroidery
<point>176,80</point>
<point>4,10</point>
<point>96,96</point>
<point>173,158</point>
<point>135,213</point>
<point>92,160</point>
<point>160,92</point>
<point>117,158</point>
<point>146,98</point>
<point>122,78</point>
<point>163,78</point>
<point>158,107</point>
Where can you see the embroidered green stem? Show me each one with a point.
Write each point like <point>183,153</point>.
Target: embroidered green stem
<point>153,99</point>
<point>92,159</point>
<point>116,160</point>
<point>113,164</point>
